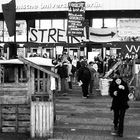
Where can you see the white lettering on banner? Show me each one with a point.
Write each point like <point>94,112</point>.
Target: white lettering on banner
<point>52,36</point>
<point>133,47</point>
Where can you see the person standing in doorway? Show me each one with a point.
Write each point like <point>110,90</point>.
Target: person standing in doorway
<point>119,91</point>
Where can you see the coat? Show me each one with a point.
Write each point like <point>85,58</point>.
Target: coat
<point>84,75</point>
<point>121,100</point>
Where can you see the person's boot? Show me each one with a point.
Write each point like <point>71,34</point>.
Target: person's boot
<point>114,131</point>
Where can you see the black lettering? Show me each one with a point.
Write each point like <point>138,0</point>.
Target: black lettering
<point>74,38</point>
<point>51,33</point>
<point>59,35</point>
<point>32,32</point>
<point>42,33</point>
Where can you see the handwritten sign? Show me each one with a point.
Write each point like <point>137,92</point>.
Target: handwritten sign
<point>52,35</point>
<point>76,18</point>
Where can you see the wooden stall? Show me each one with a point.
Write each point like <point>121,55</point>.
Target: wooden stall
<point>24,84</point>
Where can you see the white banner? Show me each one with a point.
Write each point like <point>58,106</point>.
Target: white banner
<point>129,27</point>
<point>103,34</point>
<point>52,36</point>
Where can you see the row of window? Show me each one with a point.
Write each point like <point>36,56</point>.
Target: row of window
<point>21,27</point>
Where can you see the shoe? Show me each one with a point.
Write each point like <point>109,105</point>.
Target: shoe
<point>64,94</point>
<point>87,95</point>
<point>84,97</point>
<point>115,132</point>
<point>120,134</point>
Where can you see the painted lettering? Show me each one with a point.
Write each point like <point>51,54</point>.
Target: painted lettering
<point>42,33</point>
<point>33,32</point>
<point>133,48</point>
<point>60,36</point>
<point>51,34</point>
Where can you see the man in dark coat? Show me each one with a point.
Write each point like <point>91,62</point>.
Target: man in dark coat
<point>119,91</point>
<point>84,76</point>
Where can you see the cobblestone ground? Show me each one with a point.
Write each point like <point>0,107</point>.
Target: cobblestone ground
<point>91,119</point>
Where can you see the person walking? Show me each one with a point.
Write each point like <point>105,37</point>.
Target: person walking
<point>62,71</point>
<point>119,91</point>
<point>84,76</point>
<point>93,71</point>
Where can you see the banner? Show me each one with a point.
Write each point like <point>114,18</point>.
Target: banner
<point>76,19</point>
<point>52,35</point>
<point>103,34</point>
<point>9,13</point>
<point>129,49</point>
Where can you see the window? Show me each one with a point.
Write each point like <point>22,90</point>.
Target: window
<point>45,24</point>
<point>21,31</point>
<point>97,23</point>
<point>110,23</point>
<point>58,23</point>
<point>1,31</point>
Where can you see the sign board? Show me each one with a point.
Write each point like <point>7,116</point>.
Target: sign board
<point>103,34</point>
<point>76,18</point>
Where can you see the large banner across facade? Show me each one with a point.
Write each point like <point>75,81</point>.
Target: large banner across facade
<point>76,18</point>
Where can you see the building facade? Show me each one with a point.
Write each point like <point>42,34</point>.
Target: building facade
<point>101,19</point>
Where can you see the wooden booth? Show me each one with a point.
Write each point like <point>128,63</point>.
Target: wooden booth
<point>27,96</point>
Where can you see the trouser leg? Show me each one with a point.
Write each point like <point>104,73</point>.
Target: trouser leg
<point>85,89</point>
<point>121,120</point>
<point>116,118</point>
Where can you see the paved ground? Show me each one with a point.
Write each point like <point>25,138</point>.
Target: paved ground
<point>91,119</point>
<point>88,119</point>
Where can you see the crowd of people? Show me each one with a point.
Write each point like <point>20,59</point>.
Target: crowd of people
<point>87,74</point>
<point>71,70</point>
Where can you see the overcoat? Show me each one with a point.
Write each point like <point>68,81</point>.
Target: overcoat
<point>121,100</point>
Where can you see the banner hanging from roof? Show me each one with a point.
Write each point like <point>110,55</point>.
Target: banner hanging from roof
<point>52,35</point>
<point>76,18</point>
<point>103,34</point>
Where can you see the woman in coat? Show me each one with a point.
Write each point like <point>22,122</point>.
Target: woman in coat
<point>119,91</point>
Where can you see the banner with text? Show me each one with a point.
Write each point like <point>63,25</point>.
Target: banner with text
<point>52,35</point>
<point>129,49</point>
<point>76,18</point>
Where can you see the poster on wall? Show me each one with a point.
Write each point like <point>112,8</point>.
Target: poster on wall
<point>76,18</point>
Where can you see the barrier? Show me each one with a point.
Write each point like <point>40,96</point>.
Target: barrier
<point>42,117</point>
<point>104,86</point>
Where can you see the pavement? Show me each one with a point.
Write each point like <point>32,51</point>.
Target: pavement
<point>87,119</point>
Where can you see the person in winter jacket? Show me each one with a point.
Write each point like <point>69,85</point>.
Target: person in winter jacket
<point>119,91</point>
<point>84,76</point>
<point>62,71</point>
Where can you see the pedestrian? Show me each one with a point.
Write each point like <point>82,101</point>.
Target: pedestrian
<point>62,71</point>
<point>70,75</point>
<point>119,91</point>
<point>92,71</point>
<point>84,77</point>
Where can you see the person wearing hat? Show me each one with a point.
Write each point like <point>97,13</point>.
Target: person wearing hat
<point>119,91</point>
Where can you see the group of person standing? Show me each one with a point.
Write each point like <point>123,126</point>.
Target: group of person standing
<point>73,71</point>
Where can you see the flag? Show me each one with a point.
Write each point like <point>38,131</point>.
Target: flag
<point>9,13</point>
